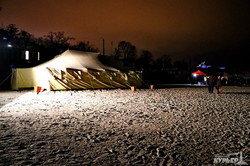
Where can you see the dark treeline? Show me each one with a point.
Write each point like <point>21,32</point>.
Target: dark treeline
<point>51,44</point>
<point>160,70</point>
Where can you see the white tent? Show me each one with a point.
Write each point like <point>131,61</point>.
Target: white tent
<point>74,70</point>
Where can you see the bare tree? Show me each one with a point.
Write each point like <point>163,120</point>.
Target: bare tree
<point>84,46</point>
<point>25,40</point>
<point>125,51</point>
<point>55,43</point>
<point>57,38</point>
<point>145,60</point>
<point>163,62</point>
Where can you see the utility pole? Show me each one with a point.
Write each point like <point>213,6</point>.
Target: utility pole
<point>111,48</point>
<point>103,46</point>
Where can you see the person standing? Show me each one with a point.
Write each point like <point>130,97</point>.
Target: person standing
<point>218,84</point>
<point>210,83</point>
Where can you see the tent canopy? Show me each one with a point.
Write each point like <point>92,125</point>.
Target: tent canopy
<point>74,70</point>
<point>198,73</point>
<point>76,60</point>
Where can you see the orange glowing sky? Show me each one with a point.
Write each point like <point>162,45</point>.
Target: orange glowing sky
<point>181,27</point>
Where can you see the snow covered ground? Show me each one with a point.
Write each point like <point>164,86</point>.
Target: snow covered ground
<point>185,126</point>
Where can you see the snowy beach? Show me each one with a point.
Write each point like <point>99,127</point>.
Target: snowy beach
<point>184,126</point>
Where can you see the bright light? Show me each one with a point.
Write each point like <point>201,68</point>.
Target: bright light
<point>195,75</point>
<point>9,45</point>
<point>27,55</point>
<point>205,66</point>
<point>38,56</point>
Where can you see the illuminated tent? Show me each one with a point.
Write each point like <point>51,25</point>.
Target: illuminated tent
<point>74,70</point>
<point>198,73</point>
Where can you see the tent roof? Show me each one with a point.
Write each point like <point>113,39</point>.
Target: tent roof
<point>198,73</point>
<point>76,60</point>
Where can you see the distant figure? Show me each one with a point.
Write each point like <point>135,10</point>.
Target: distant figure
<point>218,84</point>
<point>210,83</point>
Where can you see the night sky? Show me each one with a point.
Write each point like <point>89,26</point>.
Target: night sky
<point>180,28</point>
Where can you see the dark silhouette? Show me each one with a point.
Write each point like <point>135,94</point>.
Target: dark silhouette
<point>210,83</point>
<point>218,84</point>
<point>144,61</point>
<point>84,46</point>
<point>164,62</point>
<point>126,52</point>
